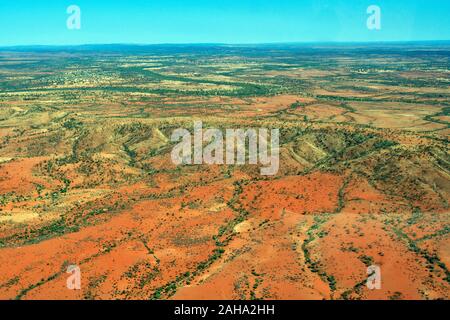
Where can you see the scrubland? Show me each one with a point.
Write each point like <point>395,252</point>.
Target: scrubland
<point>86,177</point>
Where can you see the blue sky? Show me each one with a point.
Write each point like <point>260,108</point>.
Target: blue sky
<point>30,22</point>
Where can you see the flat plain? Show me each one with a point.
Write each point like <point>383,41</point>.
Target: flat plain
<point>86,176</point>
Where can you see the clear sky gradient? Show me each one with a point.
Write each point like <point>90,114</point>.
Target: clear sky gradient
<point>33,22</point>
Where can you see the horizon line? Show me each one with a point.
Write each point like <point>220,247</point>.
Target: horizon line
<point>227,44</point>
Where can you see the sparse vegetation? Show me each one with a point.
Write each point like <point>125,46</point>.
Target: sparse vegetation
<point>86,175</point>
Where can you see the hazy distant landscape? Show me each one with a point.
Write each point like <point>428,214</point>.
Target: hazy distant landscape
<point>86,177</point>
